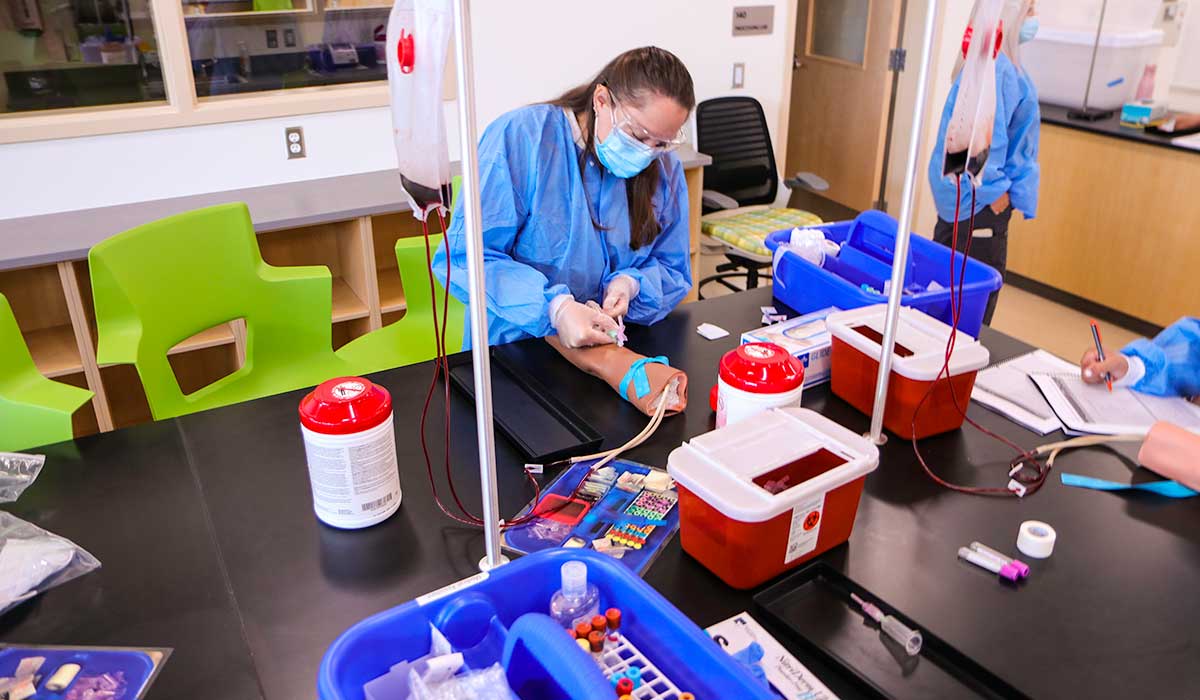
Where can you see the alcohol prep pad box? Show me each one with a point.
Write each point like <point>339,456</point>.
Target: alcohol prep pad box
<point>805,337</point>
<point>917,362</point>
<point>762,496</point>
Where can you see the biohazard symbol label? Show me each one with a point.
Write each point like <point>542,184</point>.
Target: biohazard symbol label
<point>811,520</point>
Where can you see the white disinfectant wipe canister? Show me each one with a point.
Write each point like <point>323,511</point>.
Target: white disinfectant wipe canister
<point>351,449</point>
<point>753,378</point>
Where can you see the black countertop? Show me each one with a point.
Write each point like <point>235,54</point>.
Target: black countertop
<point>1054,114</point>
<point>205,528</point>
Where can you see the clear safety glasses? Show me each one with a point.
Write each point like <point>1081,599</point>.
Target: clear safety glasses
<point>624,121</point>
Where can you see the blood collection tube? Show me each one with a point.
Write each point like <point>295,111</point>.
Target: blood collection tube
<point>582,630</point>
<point>624,686</point>
<point>612,617</point>
<point>596,642</point>
<point>599,623</point>
<point>634,674</point>
<point>1007,572</point>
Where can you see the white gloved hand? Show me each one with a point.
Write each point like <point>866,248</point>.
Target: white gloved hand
<point>621,290</point>
<point>578,325</point>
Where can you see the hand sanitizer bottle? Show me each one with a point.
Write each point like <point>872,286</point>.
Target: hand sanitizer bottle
<point>578,601</point>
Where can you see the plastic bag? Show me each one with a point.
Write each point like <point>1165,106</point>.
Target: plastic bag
<point>33,560</point>
<point>418,35</point>
<point>969,133</point>
<point>17,472</point>
<point>487,684</point>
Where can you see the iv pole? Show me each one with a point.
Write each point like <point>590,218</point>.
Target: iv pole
<point>472,220</point>
<point>903,231</point>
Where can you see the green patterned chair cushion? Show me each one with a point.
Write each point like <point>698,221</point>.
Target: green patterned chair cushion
<point>749,231</point>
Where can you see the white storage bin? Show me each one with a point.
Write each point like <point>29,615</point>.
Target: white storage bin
<point>1058,60</point>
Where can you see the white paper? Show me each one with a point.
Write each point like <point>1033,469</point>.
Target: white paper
<point>1091,408</point>
<point>787,676</point>
<point>1191,141</point>
<point>710,331</point>
<point>1007,389</point>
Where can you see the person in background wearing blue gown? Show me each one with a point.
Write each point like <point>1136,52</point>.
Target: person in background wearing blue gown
<point>583,201</point>
<point>1169,365</point>
<point>1011,175</point>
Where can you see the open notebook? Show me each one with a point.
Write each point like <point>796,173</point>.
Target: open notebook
<point>1091,408</point>
<point>1007,389</point>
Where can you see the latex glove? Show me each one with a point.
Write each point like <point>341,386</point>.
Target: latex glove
<point>621,290</point>
<point>578,325</point>
<point>1092,369</point>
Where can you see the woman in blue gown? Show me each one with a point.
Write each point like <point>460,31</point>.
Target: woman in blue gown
<point>583,201</point>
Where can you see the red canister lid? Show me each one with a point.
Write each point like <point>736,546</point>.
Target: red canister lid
<point>761,368</point>
<point>345,405</point>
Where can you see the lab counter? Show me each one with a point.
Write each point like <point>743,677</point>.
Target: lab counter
<point>1118,221</point>
<point>1056,115</point>
<point>51,238</point>
<point>209,545</point>
<point>303,77</point>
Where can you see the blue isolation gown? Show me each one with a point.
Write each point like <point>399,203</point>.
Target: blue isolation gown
<point>1169,365</point>
<point>538,232</point>
<point>1012,164</point>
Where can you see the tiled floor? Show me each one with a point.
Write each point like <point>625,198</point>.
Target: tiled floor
<point>1038,321</point>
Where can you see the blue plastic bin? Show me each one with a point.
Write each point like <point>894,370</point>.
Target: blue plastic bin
<point>481,620</point>
<point>868,247</point>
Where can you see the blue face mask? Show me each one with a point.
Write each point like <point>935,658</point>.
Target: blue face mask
<point>1029,29</point>
<point>623,155</point>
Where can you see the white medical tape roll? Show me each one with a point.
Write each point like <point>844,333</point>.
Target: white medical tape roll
<point>1036,539</point>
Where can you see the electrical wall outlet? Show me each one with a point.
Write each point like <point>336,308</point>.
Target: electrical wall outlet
<point>272,39</point>
<point>739,75</point>
<point>295,141</point>
<point>289,37</point>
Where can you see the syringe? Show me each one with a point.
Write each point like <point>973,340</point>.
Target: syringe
<point>910,639</point>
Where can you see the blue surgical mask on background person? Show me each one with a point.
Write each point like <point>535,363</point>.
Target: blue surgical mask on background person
<point>622,154</point>
<point>1029,29</point>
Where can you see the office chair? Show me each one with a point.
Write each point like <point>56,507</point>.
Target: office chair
<point>739,187</point>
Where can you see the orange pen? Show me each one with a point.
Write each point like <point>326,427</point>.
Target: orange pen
<point>1100,353</point>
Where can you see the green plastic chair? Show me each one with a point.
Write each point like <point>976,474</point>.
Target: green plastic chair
<point>34,410</point>
<point>161,283</point>
<point>411,339</point>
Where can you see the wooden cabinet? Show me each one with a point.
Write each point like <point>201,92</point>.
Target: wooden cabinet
<point>1116,224</point>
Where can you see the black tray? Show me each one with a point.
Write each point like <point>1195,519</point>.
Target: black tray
<point>814,605</point>
<point>541,426</point>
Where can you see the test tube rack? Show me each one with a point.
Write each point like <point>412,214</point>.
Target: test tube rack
<point>654,685</point>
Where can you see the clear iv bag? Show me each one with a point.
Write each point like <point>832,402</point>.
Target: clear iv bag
<point>418,37</point>
<point>969,133</point>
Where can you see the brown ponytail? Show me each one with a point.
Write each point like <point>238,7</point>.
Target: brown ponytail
<point>632,76</point>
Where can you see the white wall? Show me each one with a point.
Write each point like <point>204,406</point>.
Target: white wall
<point>525,51</point>
<point>1085,14</point>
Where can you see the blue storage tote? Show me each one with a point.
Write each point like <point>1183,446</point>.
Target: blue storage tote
<point>867,248</point>
<point>487,621</point>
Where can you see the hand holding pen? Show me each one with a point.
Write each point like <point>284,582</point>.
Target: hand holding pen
<point>1096,367</point>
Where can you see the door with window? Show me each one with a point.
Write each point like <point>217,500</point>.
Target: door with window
<point>841,95</point>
